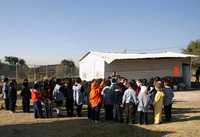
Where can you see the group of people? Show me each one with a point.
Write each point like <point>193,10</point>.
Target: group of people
<point>122,100</point>
<point>119,98</point>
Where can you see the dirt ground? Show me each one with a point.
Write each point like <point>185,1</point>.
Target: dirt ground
<point>185,123</point>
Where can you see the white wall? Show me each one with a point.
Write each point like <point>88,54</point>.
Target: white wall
<point>91,67</point>
<point>146,68</point>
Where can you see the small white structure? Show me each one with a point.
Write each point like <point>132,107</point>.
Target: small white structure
<point>135,66</point>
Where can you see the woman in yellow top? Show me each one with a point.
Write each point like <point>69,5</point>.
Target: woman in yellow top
<point>158,103</point>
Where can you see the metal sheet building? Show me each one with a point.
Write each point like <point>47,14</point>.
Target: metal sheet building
<point>135,66</point>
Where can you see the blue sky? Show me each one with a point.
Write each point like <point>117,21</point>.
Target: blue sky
<point>46,31</point>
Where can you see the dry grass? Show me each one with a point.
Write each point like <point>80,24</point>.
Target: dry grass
<point>186,123</point>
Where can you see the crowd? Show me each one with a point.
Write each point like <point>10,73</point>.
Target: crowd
<point>120,99</point>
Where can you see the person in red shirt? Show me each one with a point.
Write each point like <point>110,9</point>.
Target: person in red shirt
<point>36,99</point>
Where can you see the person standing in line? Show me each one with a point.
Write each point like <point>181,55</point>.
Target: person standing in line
<point>46,98</point>
<point>168,100</point>
<point>5,90</point>
<point>130,102</point>
<point>89,108</point>
<point>115,91</point>
<point>26,96</point>
<point>51,87</point>
<point>108,100</point>
<point>58,97</point>
<point>96,98</point>
<point>143,104</point>
<point>78,94</point>
<point>69,104</point>
<point>152,92</point>
<point>138,87</point>
<point>158,102</point>
<point>12,95</point>
<point>36,99</point>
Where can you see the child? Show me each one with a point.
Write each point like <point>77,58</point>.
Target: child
<point>13,95</point>
<point>5,90</point>
<point>96,98</point>
<point>26,96</point>
<point>158,103</point>
<point>36,99</point>
<point>58,96</point>
<point>117,99</point>
<point>78,91</point>
<point>46,99</point>
<point>168,100</point>
<point>130,102</point>
<point>69,104</point>
<point>108,100</point>
<point>143,104</point>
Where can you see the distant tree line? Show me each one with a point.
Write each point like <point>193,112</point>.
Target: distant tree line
<point>14,60</point>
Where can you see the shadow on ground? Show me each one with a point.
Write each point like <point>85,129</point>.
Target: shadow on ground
<point>185,114</point>
<point>77,128</point>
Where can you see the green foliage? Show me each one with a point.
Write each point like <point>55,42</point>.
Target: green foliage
<point>22,62</point>
<point>194,49</point>
<point>11,60</point>
<point>68,63</point>
<point>14,60</point>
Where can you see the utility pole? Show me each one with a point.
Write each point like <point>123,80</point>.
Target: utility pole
<point>34,73</point>
<point>16,71</point>
<point>46,71</point>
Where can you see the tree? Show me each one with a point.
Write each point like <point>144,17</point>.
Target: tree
<point>69,66</point>
<point>68,63</point>
<point>194,49</point>
<point>22,62</point>
<point>12,60</point>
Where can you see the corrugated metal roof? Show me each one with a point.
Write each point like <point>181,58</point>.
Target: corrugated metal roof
<point>110,57</point>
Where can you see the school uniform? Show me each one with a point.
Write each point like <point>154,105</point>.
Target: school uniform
<point>130,101</point>
<point>12,98</point>
<point>168,102</point>
<point>5,90</point>
<point>26,96</point>
<point>69,100</point>
<point>47,101</point>
<point>117,99</point>
<point>108,102</point>
<point>78,96</point>
<point>58,95</point>
<point>143,105</point>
